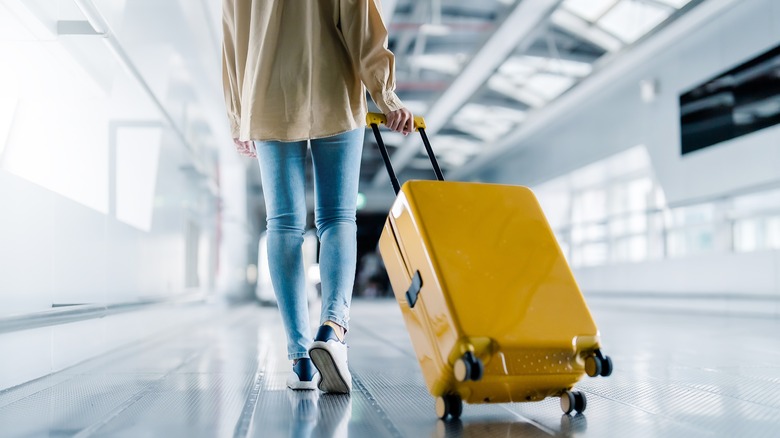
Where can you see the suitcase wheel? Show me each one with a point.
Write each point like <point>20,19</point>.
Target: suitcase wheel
<point>606,367</point>
<point>573,401</point>
<point>468,367</point>
<point>593,366</point>
<point>598,365</point>
<point>449,405</point>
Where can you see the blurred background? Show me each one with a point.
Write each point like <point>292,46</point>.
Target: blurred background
<point>648,129</point>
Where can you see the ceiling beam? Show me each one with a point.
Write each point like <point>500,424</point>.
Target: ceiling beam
<point>516,30</point>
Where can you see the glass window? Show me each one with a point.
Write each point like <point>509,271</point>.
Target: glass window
<point>773,232</point>
<point>629,249</point>
<point>555,199</point>
<point>51,86</point>
<point>592,254</point>
<point>747,235</point>
<point>589,206</point>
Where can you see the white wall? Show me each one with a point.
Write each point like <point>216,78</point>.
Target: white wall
<point>96,187</point>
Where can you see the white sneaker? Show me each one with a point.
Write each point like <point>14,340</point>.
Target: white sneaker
<point>329,355</point>
<point>303,375</point>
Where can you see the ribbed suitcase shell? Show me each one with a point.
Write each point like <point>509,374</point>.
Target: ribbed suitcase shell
<point>494,282</point>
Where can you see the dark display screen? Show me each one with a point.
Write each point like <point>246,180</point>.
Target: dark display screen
<point>743,100</point>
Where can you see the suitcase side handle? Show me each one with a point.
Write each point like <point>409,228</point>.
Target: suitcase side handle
<point>374,119</point>
<point>414,289</point>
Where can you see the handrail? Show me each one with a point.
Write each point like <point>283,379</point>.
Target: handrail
<point>757,214</point>
<point>81,312</point>
<point>735,193</point>
<point>725,220</point>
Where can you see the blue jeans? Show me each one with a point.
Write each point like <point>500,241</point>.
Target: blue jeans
<point>336,174</point>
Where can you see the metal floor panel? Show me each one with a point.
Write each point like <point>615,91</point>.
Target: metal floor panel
<point>282,412</point>
<point>68,408</point>
<point>676,375</point>
<point>122,359</point>
<point>187,405</point>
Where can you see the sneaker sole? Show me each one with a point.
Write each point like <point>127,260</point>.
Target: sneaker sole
<point>331,379</point>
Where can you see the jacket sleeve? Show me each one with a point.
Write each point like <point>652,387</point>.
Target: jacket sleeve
<point>233,60</point>
<point>365,36</point>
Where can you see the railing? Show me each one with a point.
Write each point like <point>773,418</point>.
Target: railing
<point>718,227</point>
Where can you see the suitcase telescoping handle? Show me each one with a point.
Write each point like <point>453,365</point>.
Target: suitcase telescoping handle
<point>374,119</point>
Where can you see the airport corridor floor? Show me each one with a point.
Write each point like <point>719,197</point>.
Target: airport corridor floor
<point>675,375</point>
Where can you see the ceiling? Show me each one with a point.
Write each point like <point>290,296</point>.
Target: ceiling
<point>478,70</point>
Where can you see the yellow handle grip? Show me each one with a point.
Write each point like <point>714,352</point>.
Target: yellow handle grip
<point>379,118</point>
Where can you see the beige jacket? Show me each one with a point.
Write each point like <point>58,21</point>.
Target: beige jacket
<point>298,69</point>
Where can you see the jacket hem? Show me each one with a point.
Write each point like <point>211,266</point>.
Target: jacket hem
<point>312,135</point>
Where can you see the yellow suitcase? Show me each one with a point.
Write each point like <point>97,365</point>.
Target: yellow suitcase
<point>492,308</point>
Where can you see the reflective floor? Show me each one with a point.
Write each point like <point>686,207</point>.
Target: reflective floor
<point>676,375</point>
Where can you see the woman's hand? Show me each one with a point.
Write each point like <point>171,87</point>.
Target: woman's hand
<point>245,148</point>
<point>401,120</point>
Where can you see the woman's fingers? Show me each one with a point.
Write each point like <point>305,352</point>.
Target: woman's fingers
<point>245,148</point>
<point>401,120</point>
<point>392,120</point>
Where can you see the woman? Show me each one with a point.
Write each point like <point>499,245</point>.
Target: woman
<point>295,73</point>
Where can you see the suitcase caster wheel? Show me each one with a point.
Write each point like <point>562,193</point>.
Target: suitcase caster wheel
<point>598,365</point>
<point>449,405</point>
<point>573,401</point>
<point>606,367</point>
<point>593,366</point>
<point>468,367</point>
<point>580,401</point>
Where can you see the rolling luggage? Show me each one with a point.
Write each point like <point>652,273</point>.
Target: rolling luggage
<point>491,306</point>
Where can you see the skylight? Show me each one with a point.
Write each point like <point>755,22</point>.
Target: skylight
<point>446,63</point>
<point>630,19</point>
<point>558,66</point>
<point>549,86</point>
<point>516,66</point>
<point>504,85</point>
<point>676,3</point>
<point>590,10</point>
<point>487,123</point>
<point>584,29</point>
<point>535,80</point>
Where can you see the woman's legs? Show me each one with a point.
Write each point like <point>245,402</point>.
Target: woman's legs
<point>336,176</point>
<point>283,171</point>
